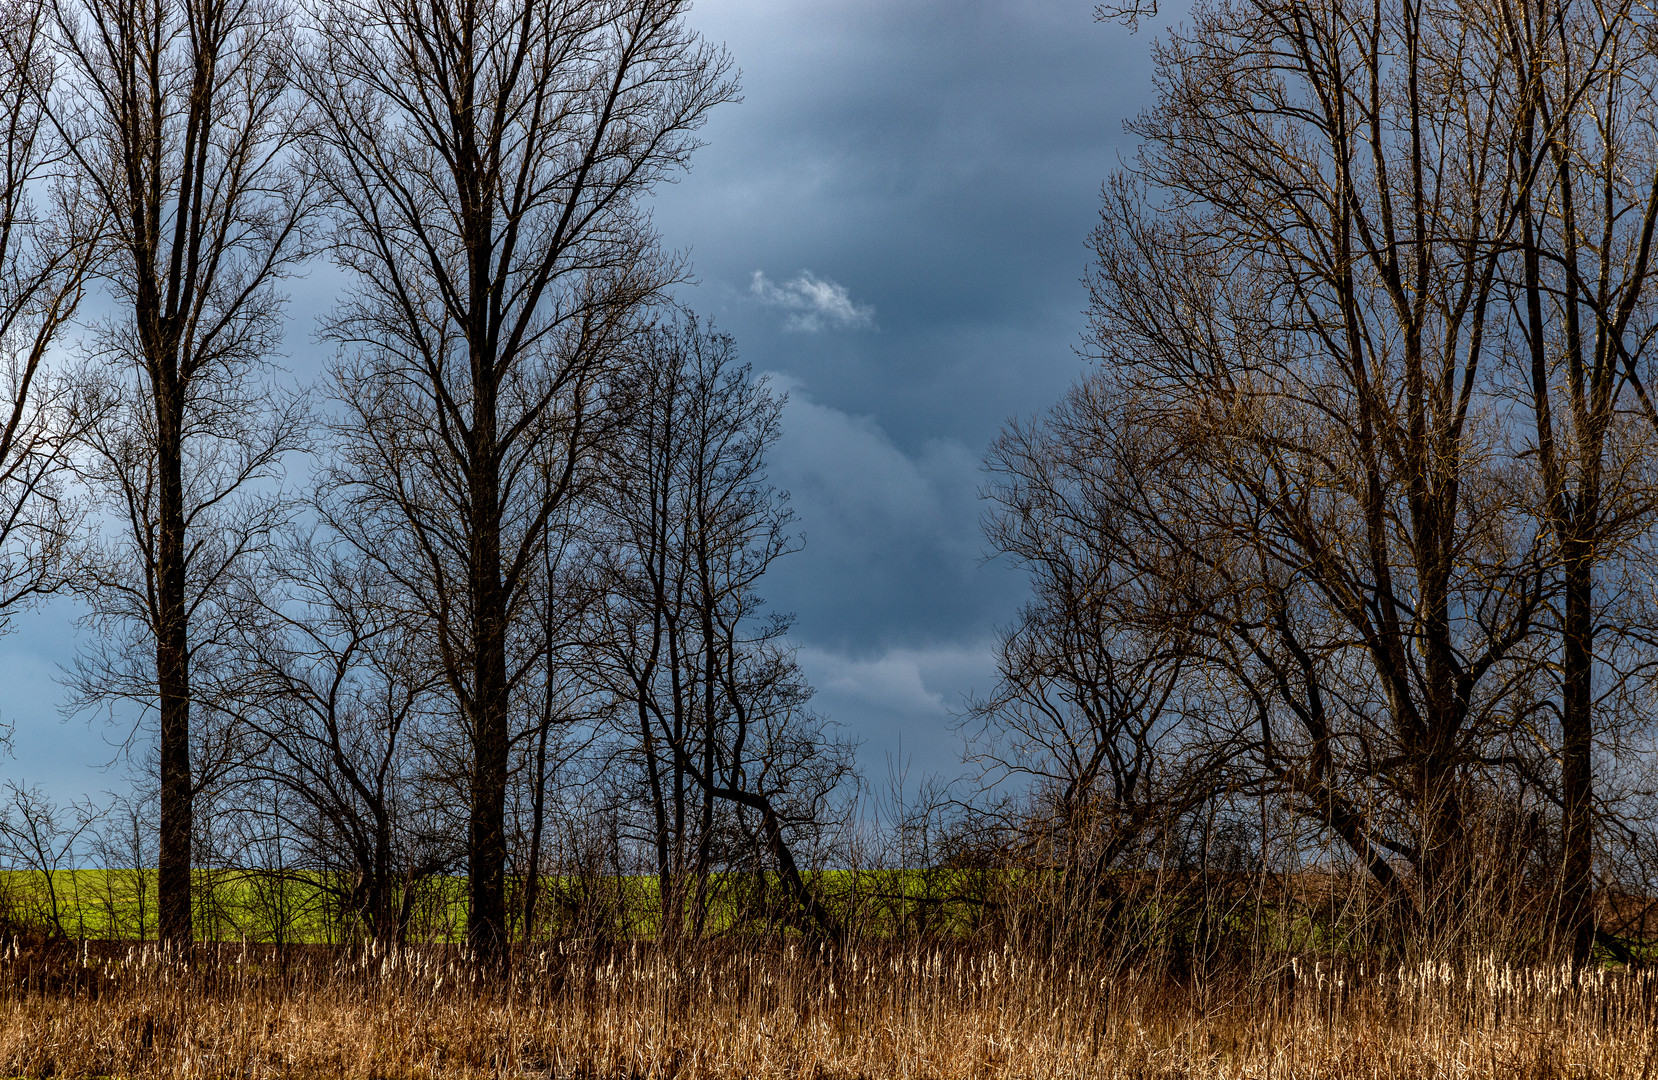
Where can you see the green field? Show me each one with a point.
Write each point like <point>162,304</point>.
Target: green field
<point>261,906</point>
<point>231,905</point>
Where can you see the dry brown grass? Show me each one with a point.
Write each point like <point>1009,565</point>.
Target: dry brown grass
<point>788,1011</point>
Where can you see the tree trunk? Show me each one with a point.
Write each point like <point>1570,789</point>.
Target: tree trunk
<point>538,815</point>
<point>486,836</point>
<point>172,660</point>
<point>486,929</point>
<point>1576,775</point>
<point>659,814</point>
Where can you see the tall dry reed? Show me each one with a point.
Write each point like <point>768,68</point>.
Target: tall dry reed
<point>784,1009</point>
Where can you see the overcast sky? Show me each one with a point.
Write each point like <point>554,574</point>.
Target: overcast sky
<point>892,225</point>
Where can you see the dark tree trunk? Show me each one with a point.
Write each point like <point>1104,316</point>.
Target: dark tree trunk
<point>173,870</point>
<point>486,836</point>
<point>1576,772</point>
<point>538,817</point>
<point>486,592</point>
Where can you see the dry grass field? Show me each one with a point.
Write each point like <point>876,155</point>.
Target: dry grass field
<point>786,1010</point>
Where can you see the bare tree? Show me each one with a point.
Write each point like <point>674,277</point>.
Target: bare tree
<point>717,705</point>
<point>1094,697</point>
<point>338,688</point>
<point>486,162</point>
<point>37,840</point>
<point>562,714</point>
<point>47,244</point>
<point>1582,328</point>
<point>179,118</point>
<point>1297,295</point>
<point>123,846</point>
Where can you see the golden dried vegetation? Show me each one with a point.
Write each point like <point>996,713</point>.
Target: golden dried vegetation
<point>788,1010</point>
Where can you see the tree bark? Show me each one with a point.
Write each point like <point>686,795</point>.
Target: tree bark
<point>1576,766</point>
<point>486,835</point>
<point>172,659</point>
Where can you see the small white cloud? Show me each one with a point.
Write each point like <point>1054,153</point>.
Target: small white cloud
<point>814,304</point>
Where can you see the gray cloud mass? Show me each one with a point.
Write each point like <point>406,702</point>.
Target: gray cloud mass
<point>939,163</point>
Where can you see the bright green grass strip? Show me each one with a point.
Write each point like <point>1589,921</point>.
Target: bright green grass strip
<point>256,906</point>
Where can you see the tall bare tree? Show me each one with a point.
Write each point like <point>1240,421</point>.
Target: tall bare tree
<point>1582,330</point>
<point>562,713</point>
<point>179,117</point>
<point>1296,295</point>
<point>688,525</point>
<point>47,243</point>
<point>486,162</point>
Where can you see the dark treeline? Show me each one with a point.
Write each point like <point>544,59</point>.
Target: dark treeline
<point>1342,553</point>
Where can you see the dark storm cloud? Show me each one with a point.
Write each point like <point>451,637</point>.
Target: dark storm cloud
<point>940,160</point>
<point>939,164</point>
